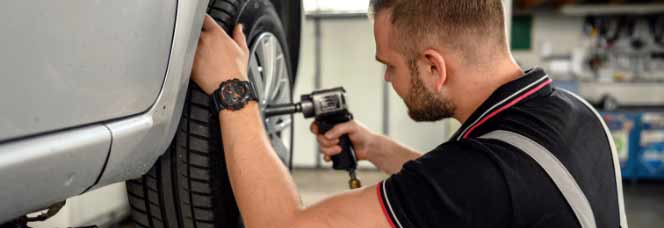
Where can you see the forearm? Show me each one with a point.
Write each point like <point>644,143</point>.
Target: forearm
<point>265,192</point>
<point>389,156</point>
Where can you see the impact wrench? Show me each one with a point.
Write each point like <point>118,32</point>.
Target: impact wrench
<point>329,108</point>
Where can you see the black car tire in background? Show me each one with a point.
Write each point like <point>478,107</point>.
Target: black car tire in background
<point>188,186</point>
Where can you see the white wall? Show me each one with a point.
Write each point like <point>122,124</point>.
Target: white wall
<point>348,60</point>
<point>348,51</point>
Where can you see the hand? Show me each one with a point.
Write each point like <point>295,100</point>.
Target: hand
<point>362,139</point>
<point>219,57</point>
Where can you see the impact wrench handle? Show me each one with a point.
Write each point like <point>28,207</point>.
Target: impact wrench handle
<point>346,160</point>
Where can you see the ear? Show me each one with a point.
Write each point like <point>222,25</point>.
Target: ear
<point>438,69</point>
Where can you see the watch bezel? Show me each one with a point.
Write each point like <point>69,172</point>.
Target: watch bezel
<point>230,88</point>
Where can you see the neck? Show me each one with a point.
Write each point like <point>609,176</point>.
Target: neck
<point>477,84</point>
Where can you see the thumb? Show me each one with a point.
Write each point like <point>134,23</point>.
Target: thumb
<point>239,38</point>
<point>340,129</point>
<point>209,24</point>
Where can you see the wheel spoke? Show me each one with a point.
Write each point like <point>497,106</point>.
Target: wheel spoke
<point>280,81</point>
<point>282,150</point>
<point>269,73</point>
<point>279,125</point>
<point>256,78</point>
<point>268,60</point>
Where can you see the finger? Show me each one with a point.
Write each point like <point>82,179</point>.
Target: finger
<point>239,38</point>
<point>327,142</point>
<point>201,40</point>
<point>327,158</point>
<point>340,129</point>
<point>209,24</point>
<point>314,128</point>
<point>331,151</point>
<point>204,38</point>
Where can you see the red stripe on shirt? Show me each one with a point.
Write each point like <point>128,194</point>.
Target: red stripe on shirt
<point>514,102</point>
<point>382,205</point>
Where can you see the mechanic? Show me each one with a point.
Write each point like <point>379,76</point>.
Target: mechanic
<point>445,59</point>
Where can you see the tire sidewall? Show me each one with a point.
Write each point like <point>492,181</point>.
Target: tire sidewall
<point>260,16</point>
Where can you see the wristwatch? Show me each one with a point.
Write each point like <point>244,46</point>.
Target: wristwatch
<point>233,95</point>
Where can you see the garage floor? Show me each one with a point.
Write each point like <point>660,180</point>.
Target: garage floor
<point>644,200</point>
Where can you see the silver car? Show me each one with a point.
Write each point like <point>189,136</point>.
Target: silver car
<point>95,92</point>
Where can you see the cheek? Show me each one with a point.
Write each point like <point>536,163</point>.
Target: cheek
<point>401,84</point>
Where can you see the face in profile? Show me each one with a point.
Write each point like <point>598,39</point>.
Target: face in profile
<point>405,78</point>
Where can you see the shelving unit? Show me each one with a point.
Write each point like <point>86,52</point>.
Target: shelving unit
<point>608,9</point>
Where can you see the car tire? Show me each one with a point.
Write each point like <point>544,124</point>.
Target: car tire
<point>188,186</point>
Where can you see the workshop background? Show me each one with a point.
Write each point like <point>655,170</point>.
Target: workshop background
<point>611,52</point>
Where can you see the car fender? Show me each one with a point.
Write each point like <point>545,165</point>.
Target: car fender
<point>138,141</point>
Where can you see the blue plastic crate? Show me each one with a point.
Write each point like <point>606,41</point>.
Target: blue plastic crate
<point>651,155</point>
<point>624,128</point>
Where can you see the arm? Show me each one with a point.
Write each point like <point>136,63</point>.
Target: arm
<point>387,154</point>
<point>265,193</point>
<point>390,156</point>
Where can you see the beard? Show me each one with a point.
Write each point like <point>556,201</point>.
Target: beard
<point>425,106</point>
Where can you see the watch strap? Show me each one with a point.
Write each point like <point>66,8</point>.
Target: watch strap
<point>215,102</point>
<point>253,94</point>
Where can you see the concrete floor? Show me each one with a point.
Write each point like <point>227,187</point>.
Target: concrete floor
<point>644,200</point>
<point>315,185</point>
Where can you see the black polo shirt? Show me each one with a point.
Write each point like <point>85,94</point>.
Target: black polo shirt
<point>471,182</point>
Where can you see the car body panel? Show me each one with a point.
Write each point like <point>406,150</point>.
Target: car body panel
<point>48,169</point>
<point>70,63</point>
<point>139,141</point>
<point>129,145</point>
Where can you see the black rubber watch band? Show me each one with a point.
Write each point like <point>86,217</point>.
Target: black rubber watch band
<point>215,103</point>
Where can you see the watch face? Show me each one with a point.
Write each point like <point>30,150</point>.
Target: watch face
<point>234,94</point>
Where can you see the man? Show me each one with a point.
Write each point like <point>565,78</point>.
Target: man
<point>445,58</point>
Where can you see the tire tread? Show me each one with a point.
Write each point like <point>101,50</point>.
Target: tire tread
<point>188,187</point>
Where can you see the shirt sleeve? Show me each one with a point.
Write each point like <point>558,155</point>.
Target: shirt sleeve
<point>456,185</point>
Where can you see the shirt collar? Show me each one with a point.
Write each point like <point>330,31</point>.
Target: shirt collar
<point>533,83</point>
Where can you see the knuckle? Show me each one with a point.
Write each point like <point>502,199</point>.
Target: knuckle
<point>328,150</point>
<point>327,143</point>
